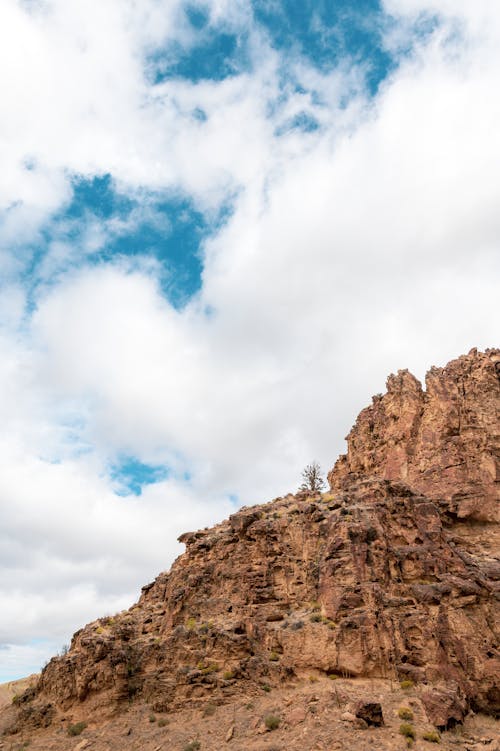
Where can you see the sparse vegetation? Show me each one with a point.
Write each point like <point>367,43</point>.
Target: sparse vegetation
<point>228,675</point>
<point>333,676</point>
<point>406,684</point>
<point>190,623</point>
<point>407,730</point>
<point>274,657</point>
<point>152,718</point>
<point>316,618</point>
<point>405,713</point>
<point>312,479</point>
<point>162,722</point>
<point>272,722</point>
<point>432,736</point>
<point>193,746</point>
<point>266,687</point>
<point>207,668</point>
<point>77,728</point>
<point>209,710</point>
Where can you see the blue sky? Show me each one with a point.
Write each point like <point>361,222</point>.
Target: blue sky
<point>222,224</point>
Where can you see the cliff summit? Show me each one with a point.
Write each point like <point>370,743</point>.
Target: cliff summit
<point>390,579</point>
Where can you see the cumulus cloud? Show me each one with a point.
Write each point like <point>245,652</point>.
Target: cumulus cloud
<point>367,244</point>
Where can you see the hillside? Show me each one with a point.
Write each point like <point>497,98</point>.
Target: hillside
<point>330,611</point>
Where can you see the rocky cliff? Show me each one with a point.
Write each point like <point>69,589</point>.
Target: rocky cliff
<point>391,575</point>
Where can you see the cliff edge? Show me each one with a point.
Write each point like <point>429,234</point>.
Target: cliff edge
<point>391,575</point>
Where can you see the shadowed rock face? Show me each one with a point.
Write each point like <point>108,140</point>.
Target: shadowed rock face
<point>392,574</point>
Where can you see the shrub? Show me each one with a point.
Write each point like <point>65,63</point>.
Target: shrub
<point>312,480</point>
<point>407,683</point>
<point>272,722</point>
<point>407,730</point>
<point>405,713</point>
<point>274,657</point>
<point>332,676</point>
<point>228,675</point>
<point>266,687</point>
<point>162,722</point>
<point>209,710</point>
<point>77,728</point>
<point>316,618</point>
<point>190,623</point>
<point>152,718</point>
<point>432,736</point>
<point>193,746</point>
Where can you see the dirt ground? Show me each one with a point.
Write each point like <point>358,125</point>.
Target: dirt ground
<point>313,714</point>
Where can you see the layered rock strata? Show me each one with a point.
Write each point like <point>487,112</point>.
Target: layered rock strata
<point>392,574</point>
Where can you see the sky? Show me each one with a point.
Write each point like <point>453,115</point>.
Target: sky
<point>223,223</point>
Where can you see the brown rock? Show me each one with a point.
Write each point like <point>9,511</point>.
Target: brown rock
<point>445,706</point>
<point>296,716</point>
<point>370,712</point>
<point>395,572</point>
<point>348,717</point>
<point>443,442</point>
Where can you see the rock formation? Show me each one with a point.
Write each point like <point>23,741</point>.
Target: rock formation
<point>443,442</point>
<point>392,574</point>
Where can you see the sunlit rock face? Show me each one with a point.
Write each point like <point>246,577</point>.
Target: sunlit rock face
<point>391,574</point>
<point>443,442</point>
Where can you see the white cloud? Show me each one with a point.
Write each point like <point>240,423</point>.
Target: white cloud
<point>369,245</point>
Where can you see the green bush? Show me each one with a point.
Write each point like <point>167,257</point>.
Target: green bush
<point>408,683</point>
<point>405,713</point>
<point>407,730</point>
<point>272,722</point>
<point>432,736</point>
<point>77,728</point>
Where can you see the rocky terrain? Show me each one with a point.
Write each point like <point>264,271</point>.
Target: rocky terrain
<point>333,613</point>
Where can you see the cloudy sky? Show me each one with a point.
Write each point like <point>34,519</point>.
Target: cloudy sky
<point>222,224</point>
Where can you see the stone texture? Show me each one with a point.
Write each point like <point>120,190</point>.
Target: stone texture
<point>370,712</point>
<point>392,575</point>
<point>443,442</point>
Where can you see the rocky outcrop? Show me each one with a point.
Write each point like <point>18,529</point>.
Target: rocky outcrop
<point>390,575</point>
<point>443,442</point>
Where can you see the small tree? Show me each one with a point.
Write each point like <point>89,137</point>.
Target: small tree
<point>312,480</point>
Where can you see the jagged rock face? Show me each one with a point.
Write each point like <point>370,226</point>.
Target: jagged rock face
<point>444,442</point>
<point>390,575</point>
